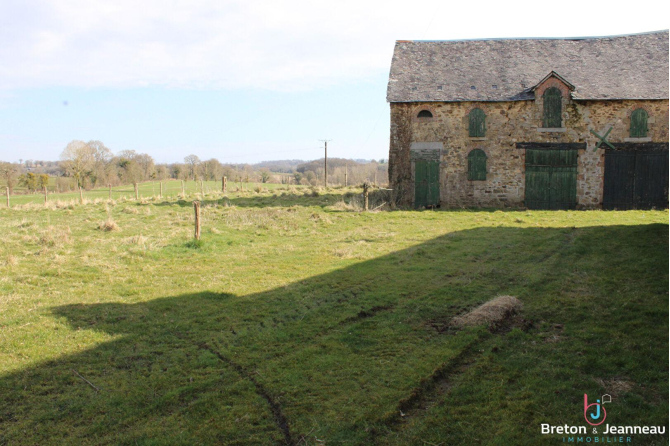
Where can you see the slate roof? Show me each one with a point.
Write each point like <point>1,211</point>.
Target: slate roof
<point>618,67</point>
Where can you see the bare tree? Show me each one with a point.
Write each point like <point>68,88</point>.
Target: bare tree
<point>101,153</point>
<point>78,159</point>
<point>10,173</point>
<point>101,170</point>
<point>192,162</point>
<point>146,163</point>
<point>211,169</point>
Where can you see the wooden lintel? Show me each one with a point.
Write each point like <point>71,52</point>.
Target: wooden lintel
<point>552,145</point>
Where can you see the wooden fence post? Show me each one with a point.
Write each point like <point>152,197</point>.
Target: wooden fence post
<point>182,189</point>
<point>366,186</point>
<point>161,195</point>
<point>45,195</point>
<point>345,176</point>
<point>196,210</point>
<point>137,192</point>
<point>7,196</point>
<point>81,195</point>
<point>224,180</point>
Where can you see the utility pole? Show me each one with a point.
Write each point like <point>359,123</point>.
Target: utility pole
<point>325,162</point>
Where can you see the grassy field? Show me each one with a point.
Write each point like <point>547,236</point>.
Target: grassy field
<point>171,191</point>
<point>299,320</point>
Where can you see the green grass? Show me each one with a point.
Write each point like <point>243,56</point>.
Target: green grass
<point>146,190</point>
<point>298,320</point>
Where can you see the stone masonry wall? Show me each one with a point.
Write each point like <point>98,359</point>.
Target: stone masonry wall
<point>509,123</point>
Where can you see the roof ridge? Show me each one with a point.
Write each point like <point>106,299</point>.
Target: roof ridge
<point>488,39</point>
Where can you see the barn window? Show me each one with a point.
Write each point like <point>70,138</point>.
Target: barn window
<point>553,108</point>
<point>425,114</point>
<point>477,127</point>
<point>477,165</point>
<point>638,123</point>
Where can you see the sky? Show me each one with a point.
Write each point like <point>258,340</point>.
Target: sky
<point>241,81</point>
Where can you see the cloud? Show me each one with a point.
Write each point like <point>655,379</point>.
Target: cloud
<point>286,45</point>
<point>276,45</point>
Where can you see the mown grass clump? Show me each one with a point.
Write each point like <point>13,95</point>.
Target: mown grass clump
<point>492,312</point>
<point>54,236</point>
<point>108,225</point>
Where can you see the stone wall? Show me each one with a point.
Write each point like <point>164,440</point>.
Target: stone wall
<point>509,123</point>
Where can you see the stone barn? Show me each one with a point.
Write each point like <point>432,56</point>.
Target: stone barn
<point>575,123</point>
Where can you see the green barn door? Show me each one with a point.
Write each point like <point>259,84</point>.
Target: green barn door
<point>426,183</point>
<point>551,179</point>
<point>619,181</point>
<point>635,179</point>
<point>651,180</point>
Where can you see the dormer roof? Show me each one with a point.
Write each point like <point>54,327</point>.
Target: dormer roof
<point>553,75</point>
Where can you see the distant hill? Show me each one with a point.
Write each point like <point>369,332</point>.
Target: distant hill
<point>290,166</point>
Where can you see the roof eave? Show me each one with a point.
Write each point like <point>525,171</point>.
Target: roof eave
<point>408,101</point>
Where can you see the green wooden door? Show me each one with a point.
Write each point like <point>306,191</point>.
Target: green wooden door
<point>551,179</point>
<point>619,181</point>
<point>426,183</point>
<point>635,179</point>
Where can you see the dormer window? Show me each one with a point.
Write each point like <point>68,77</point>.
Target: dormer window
<point>552,90</point>
<point>424,114</point>
<point>553,108</point>
<point>477,123</point>
<point>638,123</point>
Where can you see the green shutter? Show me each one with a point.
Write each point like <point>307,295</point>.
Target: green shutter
<point>477,126</point>
<point>477,165</point>
<point>638,124</point>
<point>553,108</point>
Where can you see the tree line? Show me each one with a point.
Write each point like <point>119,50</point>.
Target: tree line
<point>91,164</point>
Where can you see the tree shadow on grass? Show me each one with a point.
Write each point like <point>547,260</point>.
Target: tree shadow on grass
<point>334,356</point>
<point>263,201</point>
<point>307,197</point>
